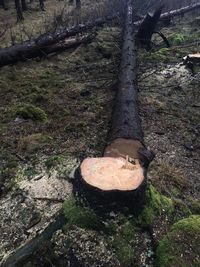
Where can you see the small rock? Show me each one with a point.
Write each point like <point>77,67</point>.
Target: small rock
<point>189,146</point>
<point>19,120</point>
<point>85,93</point>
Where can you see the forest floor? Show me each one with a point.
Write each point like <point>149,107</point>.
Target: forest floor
<point>54,112</point>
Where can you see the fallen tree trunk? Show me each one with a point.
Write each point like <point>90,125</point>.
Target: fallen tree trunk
<point>18,257</point>
<point>120,176</point>
<point>180,11</point>
<point>31,49</point>
<point>174,13</point>
<point>23,53</point>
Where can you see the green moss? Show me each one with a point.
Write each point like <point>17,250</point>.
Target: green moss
<point>162,55</point>
<point>124,251</point>
<point>177,38</point>
<point>156,203</point>
<point>81,216</point>
<point>180,247</point>
<point>52,161</point>
<point>120,233</point>
<point>31,112</point>
<point>195,206</point>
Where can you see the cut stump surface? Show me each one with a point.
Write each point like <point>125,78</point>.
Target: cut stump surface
<point>110,174</point>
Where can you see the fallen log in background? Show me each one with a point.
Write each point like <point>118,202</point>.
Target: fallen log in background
<point>23,53</point>
<point>41,45</point>
<point>180,11</point>
<point>147,27</point>
<point>173,13</point>
<point>120,176</point>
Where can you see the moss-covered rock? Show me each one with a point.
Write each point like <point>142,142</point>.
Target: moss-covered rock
<point>156,204</point>
<point>180,247</point>
<point>31,112</point>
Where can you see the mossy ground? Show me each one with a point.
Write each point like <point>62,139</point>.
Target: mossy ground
<point>180,247</point>
<point>67,103</point>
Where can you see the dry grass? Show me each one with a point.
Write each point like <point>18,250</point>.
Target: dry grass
<point>169,179</point>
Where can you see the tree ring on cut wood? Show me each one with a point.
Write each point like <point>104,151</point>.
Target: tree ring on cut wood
<point>108,173</point>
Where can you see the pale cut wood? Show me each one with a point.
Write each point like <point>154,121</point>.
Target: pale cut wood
<point>109,173</point>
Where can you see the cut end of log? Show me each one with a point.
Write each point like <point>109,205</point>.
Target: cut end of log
<point>109,174</point>
<point>121,147</point>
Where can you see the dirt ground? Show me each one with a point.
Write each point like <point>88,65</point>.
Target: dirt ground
<point>72,95</point>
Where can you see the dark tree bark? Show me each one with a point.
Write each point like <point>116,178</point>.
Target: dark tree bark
<point>25,52</point>
<point>147,28</point>
<point>2,3</point>
<point>42,5</point>
<point>167,16</point>
<point>24,6</point>
<point>180,11</point>
<point>18,10</point>
<point>31,49</point>
<point>78,3</point>
<point>120,176</point>
<point>19,257</point>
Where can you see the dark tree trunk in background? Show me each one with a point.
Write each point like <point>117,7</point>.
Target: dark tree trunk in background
<point>2,3</point>
<point>24,6</point>
<point>42,5</point>
<point>78,3</point>
<point>18,10</point>
<point>147,28</point>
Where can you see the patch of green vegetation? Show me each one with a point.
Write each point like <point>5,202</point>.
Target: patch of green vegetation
<point>9,166</point>
<point>82,217</point>
<point>194,206</point>
<point>161,55</point>
<point>156,203</point>
<point>177,38</point>
<point>31,112</point>
<point>120,234</point>
<point>181,209</point>
<point>33,142</point>
<point>52,162</point>
<point>180,247</point>
<point>124,251</point>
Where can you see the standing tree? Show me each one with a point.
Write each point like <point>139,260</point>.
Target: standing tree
<point>18,8</point>
<point>42,5</point>
<point>24,6</point>
<point>78,3</point>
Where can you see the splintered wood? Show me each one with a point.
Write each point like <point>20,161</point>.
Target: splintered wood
<point>109,173</point>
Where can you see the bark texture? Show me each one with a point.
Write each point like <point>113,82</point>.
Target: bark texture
<point>173,13</point>
<point>34,48</point>
<point>19,257</point>
<point>23,53</point>
<point>147,28</point>
<point>112,181</point>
